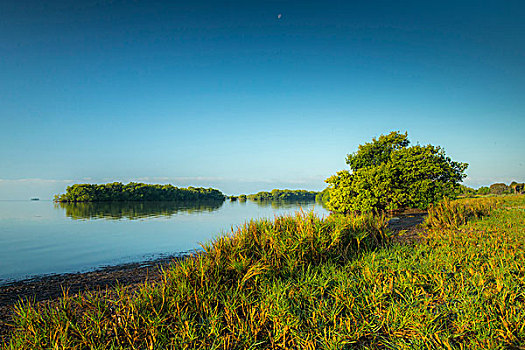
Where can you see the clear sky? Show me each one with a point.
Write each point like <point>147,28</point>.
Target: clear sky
<point>246,96</point>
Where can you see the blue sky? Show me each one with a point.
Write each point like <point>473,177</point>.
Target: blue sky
<point>227,94</point>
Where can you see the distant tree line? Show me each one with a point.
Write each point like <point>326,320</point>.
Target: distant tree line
<point>133,191</point>
<point>496,188</point>
<point>284,195</point>
<point>241,198</point>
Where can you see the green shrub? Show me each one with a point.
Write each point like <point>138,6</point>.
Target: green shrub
<point>386,174</point>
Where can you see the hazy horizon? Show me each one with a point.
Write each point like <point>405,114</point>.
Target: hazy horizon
<point>251,96</point>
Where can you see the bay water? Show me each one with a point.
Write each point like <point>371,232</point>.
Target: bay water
<point>42,237</point>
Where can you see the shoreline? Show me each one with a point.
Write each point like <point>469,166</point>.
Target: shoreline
<point>132,275</point>
<point>38,278</point>
<point>125,274</point>
<point>50,287</point>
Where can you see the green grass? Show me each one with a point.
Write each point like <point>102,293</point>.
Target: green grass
<point>306,283</point>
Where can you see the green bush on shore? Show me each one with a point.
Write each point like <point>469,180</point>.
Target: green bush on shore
<point>388,174</point>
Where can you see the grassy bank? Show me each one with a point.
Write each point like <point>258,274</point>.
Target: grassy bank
<point>308,283</point>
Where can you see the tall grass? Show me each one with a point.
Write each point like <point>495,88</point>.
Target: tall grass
<point>228,296</point>
<point>453,214</point>
<point>303,282</point>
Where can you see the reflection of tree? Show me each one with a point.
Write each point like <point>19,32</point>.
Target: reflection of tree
<point>134,210</point>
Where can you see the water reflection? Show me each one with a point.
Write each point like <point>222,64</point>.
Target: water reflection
<point>279,204</point>
<point>38,238</point>
<point>135,210</point>
<point>141,210</point>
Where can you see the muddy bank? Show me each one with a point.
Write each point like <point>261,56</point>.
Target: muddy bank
<point>406,227</point>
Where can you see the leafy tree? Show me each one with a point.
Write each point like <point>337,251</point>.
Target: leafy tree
<point>483,190</point>
<point>517,187</point>
<point>378,151</point>
<point>387,174</point>
<point>499,188</point>
<point>465,190</point>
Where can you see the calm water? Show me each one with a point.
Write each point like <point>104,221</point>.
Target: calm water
<point>41,237</point>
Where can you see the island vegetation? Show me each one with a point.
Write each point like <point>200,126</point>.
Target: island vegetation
<point>278,195</point>
<point>133,191</point>
<point>283,195</point>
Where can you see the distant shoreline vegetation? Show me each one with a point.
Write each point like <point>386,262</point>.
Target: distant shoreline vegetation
<point>133,191</point>
<point>494,189</point>
<point>282,195</point>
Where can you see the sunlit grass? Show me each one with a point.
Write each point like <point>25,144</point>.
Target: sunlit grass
<point>303,282</point>
<point>453,214</point>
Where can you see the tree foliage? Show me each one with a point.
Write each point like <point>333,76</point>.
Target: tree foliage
<point>466,191</point>
<point>377,152</point>
<point>494,189</point>
<point>387,174</point>
<point>501,188</point>
<point>517,188</point>
<point>133,191</point>
<point>483,190</point>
